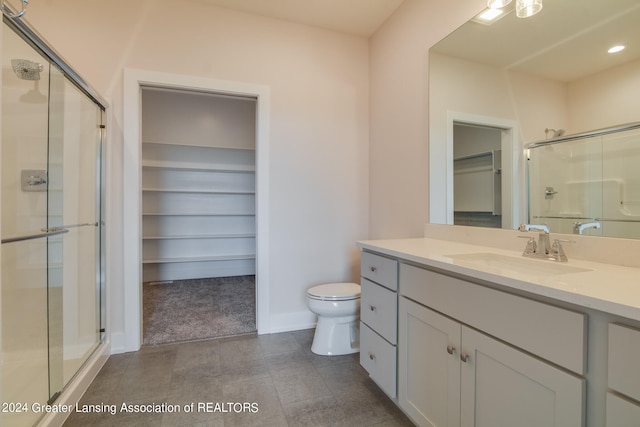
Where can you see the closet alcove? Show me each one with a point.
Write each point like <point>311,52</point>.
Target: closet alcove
<point>198,195</point>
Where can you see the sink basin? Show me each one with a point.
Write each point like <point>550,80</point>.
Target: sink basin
<point>525,266</point>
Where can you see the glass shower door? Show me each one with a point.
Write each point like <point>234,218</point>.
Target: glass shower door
<point>565,184</point>
<point>24,341</point>
<point>52,299</point>
<point>75,129</point>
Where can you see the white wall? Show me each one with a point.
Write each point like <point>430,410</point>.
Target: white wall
<point>192,118</point>
<point>604,99</point>
<point>399,112</point>
<point>319,111</point>
<point>594,102</point>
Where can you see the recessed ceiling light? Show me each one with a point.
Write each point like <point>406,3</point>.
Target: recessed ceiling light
<point>488,16</point>
<point>615,49</point>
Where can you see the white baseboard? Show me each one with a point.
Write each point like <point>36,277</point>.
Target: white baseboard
<point>291,321</point>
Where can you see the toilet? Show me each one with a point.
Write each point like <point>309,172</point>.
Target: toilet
<point>337,306</point>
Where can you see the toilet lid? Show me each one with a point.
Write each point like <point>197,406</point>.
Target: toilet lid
<point>335,291</point>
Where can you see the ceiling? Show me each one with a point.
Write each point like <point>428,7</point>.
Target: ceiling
<point>566,41</point>
<point>358,17</point>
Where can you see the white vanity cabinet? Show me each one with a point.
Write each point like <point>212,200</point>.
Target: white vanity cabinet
<point>479,345</point>
<point>462,358</point>
<point>378,314</point>
<point>452,375</point>
<point>623,396</point>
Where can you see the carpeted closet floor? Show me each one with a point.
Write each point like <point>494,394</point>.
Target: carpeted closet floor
<point>195,309</point>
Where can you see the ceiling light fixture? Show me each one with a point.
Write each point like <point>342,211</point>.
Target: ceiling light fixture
<point>527,8</point>
<point>488,16</point>
<point>497,4</point>
<point>617,48</point>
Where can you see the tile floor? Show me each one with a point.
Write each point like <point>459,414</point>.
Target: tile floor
<point>288,385</point>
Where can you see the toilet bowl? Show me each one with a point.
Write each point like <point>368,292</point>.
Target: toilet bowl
<point>337,306</point>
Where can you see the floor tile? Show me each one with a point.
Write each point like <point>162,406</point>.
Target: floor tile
<point>268,380</point>
<point>324,411</point>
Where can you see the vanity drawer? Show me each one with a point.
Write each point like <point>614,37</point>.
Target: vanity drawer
<point>624,356</point>
<point>378,357</point>
<point>621,412</point>
<point>379,269</point>
<point>379,309</point>
<point>550,332</point>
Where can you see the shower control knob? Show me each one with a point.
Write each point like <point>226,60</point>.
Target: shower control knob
<point>36,180</point>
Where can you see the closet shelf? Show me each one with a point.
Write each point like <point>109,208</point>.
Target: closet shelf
<point>198,207</point>
<point>186,191</point>
<point>485,154</point>
<point>199,259</point>
<point>197,167</point>
<point>198,214</point>
<point>473,170</point>
<point>202,236</point>
<point>182,144</point>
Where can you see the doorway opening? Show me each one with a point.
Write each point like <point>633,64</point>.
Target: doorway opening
<point>135,82</point>
<point>477,175</point>
<point>198,214</point>
<point>442,159</point>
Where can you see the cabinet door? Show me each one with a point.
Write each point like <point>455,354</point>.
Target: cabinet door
<point>504,387</point>
<point>624,353</point>
<point>621,412</point>
<point>428,366</point>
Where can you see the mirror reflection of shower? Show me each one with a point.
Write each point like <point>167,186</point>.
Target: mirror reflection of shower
<point>29,70</point>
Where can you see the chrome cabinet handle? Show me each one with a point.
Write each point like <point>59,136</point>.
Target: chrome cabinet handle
<point>464,357</point>
<point>451,349</point>
<point>372,307</point>
<point>372,356</point>
<point>373,269</point>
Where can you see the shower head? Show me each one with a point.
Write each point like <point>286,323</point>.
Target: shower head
<point>26,70</point>
<point>554,133</point>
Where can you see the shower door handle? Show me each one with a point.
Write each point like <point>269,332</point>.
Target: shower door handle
<point>65,227</point>
<point>45,233</point>
<point>48,232</point>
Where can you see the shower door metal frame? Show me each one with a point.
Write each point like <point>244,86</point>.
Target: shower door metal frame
<point>34,39</point>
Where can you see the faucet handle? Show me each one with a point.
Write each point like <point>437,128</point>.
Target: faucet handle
<point>557,252</point>
<point>531,245</point>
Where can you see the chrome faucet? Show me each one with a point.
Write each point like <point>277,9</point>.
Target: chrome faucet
<point>579,227</point>
<point>543,249</point>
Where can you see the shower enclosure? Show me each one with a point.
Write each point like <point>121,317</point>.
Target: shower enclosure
<point>587,183</point>
<point>52,307</point>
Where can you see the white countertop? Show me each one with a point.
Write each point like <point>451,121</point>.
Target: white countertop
<point>604,287</point>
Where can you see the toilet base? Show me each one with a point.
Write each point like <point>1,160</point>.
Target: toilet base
<point>336,335</point>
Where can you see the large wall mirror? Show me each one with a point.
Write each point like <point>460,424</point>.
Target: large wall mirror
<point>494,88</point>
